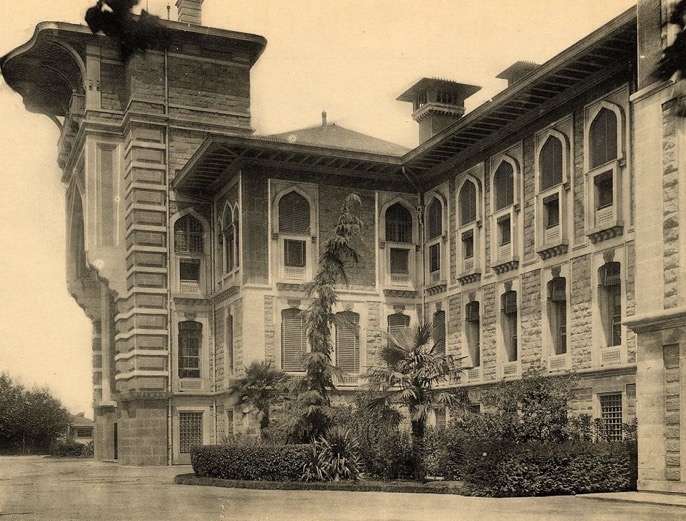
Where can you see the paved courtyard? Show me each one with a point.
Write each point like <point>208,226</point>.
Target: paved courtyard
<point>44,488</point>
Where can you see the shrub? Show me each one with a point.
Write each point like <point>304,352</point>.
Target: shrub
<point>70,449</point>
<point>250,462</point>
<point>508,470</point>
<point>444,452</point>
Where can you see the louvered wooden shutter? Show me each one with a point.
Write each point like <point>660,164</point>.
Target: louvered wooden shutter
<point>467,203</point>
<point>557,290</point>
<point>509,302</point>
<point>348,342</point>
<point>550,163</point>
<point>293,340</point>
<point>397,322</point>
<point>472,312</point>
<point>503,185</point>
<point>439,332</point>
<point>610,274</point>
<point>435,219</point>
<point>603,138</point>
<point>294,214</point>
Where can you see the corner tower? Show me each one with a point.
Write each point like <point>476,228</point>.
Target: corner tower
<point>126,129</point>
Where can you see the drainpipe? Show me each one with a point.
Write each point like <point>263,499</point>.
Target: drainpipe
<point>170,242</point>
<point>420,221</point>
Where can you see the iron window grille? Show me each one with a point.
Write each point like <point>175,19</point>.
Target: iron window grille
<point>188,235</point>
<point>611,415</point>
<point>398,224</point>
<point>190,431</point>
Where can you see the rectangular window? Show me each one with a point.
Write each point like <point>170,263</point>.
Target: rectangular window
<point>348,342</point>
<point>294,253</point>
<point>611,415</point>
<point>610,301</point>
<point>400,261</point>
<point>552,211</point>
<point>440,418</point>
<point>190,338</point>
<point>229,343</point>
<point>509,324</point>
<point>190,431</point>
<point>604,191</point>
<point>434,257</point>
<point>473,332</point>
<point>230,431</point>
<point>504,230</point>
<point>468,245</point>
<point>615,310</point>
<point>439,333</point>
<point>189,270</point>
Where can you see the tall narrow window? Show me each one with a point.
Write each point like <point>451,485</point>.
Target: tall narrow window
<point>503,186</point>
<point>188,235</point>
<point>611,415</point>
<point>439,333</point>
<point>348,342</point>
<point>603,138</point>
<point>293,340</point>
<point>468,245</point>
<point>467,203</point>
<point>610,301</point>
<point>473,332</point>
<point>509,324</point>
<point>190,431</point>
<point>604,191</point>
<point>435,233</point>
<point>550,163</point>
<point>190,340</point>
<point>397,322</point>
<point>229,344</point>
<point>294,226</point>
<point>230,240</point>
<point>551,215</point>
<point>398,224</point>
<point>504,230</point>
<point>557,314</point>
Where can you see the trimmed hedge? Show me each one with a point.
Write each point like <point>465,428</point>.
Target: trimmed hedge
<point>250,462</point>
<point>501,470</point>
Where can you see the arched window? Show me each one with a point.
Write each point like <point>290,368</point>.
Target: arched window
<point>435,217</point>
<point>293,340</point>
<point>467,203</point>
<point>348,342</point>
<point>398,224</point>
<point>603,138</point>
<point>503,186</point>
<point>188,235</point>
<point>294,214</point>
<point>190,340</point>
<point>550,163</point>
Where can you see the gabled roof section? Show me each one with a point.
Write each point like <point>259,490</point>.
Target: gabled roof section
<point>607,52</point>
<point>334,136</point>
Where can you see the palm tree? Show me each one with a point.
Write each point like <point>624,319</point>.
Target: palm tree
<point>262,387</point>
<point>410,377</point>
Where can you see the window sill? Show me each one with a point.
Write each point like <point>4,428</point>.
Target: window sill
<point>505,265</point>
<point>558,362</point>
<point>469,277</point>
<point>606,232</point>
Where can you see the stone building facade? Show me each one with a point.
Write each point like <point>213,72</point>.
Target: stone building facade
<point>518,230</point>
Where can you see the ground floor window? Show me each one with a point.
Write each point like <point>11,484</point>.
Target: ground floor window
<point>611,415</point>
<point>190,431</point>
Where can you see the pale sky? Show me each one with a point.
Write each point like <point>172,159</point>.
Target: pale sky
<point>351,58</point>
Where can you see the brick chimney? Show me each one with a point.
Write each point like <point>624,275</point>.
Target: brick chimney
<point>190,11</point>
<point>436,104</point>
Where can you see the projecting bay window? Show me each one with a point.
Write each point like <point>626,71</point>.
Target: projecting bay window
<point>400,246</point>
<point>294,237</point>
<point>434,239</point>
<point>605,166</point>
<point>189,250</point>
<point>508,330</point>
<point>557,316</point>
<point>472,333</point>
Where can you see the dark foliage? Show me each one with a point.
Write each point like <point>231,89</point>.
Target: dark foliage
<point>510,470</point>
<point>250,462</point>
<point>30,421</point>
<point>71,449</point>
<point>115,19</point>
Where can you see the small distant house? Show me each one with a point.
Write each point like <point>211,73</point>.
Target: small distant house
<point>80,428</point>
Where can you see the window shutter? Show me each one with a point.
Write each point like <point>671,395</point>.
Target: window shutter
<point>294,214</point>
<point>348,342</point>
<point>397,322</point>
<point>509,302</point>
<point>603,138</point>
<point>472,312</point>
<point>398,224</point>
<point>557,290</point>
<point>293,340</point>
<point>467,203</point>
<point>610,274</point>
<point>400,261</point>
<point>550,163</point>
<point>503,184</point>
<point>439,332</point>
<point>435,219</point>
